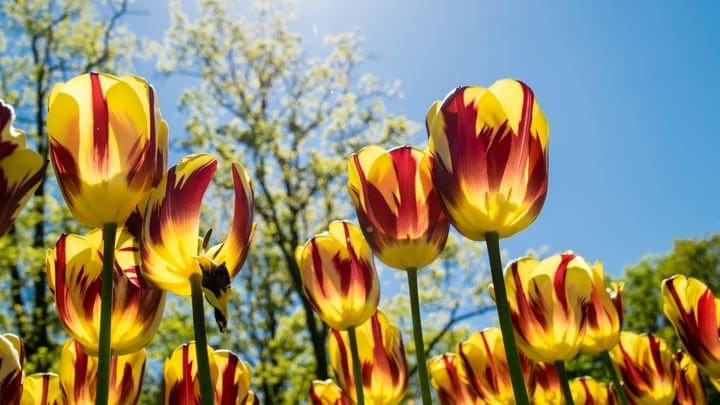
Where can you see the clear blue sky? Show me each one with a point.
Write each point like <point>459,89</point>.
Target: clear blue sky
<point>631,91</point>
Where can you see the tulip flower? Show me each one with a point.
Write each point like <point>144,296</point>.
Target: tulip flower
<point>648,369</point>
<point>108,144</point>
<point>586,391</point>
<point>693,310</point>
<point>450,387</point>
<point>397,206</point>
<point>489,157</point>
<point>690,387</point>
<point>548,389</point>
<point>170,230</point>
<point>12,359</point>
<point>41,389</point>
<point>74,274</point>
<point>548,301</point>
<point>382,360</point>
<point>21,169</point>
<point>483,364</point>
<point>78,373</point>
<point>604,321</point>
<point>229,374</point>
<point>328,393</point>
<point>338,275</point>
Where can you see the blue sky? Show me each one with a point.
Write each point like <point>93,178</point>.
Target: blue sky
<point>631,91</point>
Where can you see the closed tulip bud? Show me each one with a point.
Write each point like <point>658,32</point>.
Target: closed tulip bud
<point>108,144</point>
<point>586,391</point>
<point>690,387</point>
<point>397,206</point>
<point>171,227</point>
<point>483,364</point>
<point>21,169</point>
<point>489,149</point>
<point>450,387</point>
<point>78,376</point>
<point>548,300</point>
<point>603,319</point>
<point>328,393</point>
<point>382,358</point>
<point>41,389</point>
<point>74,274</point>
<point>648,369</point>
<point>693,310</point>
<point>12,359</point>
<point>229,375</point>
<point>338,276</point>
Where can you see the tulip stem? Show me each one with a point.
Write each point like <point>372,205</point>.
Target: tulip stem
<point>614,377</point>
<point>206,389</point>
<point>492,239</point>
<point>564,383</point>
<point>418,335</point>
<point>357,369</point>
<point>102,387</point>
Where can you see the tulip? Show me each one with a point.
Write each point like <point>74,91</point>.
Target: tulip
<point>338,276</point>
<point>78,373</point>
<point>586,391</point>
<point>382,360</point>
<point>41,389</point>
<point>397,206</point>
<point>451,388</point>
<point>548,301</point>
<point>21,169</point>
<point>489,157</point>
<point>170,229</point>
<point>647,367</point>
<point>74,274</point>
<point>483,364</point>
<point>690,387</point>
<point>604,321</point>
<point>693,310</point>
<point>548,389</point>
<point>229,374</point>
<point>328,393</point>
<point>12,359</point>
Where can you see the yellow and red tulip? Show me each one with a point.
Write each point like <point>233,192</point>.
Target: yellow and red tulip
<point>648,369</point>
<point>690,387</point>
<point>450,387</point>
<point>397,206</point>
<point>548,301</point>
<point>21,169</point>
<point>12,359</point>
<point>382,358</point>
<point>230,377</point>
<point>74,274</point>
<point>171,252</point>
<point>328,393</point>
<point>587,391</point>
<point>338,275</point>
<point>604,320</point>
<point>108,144</point>
<point>78,376</point>
<point>41,389</point>
<point>489,149</point>
<point>548,388</point>
<point>694,311</point>
<point>483,365</point>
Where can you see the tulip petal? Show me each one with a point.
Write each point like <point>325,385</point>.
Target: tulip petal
<point>328,393</point>
<point>41,389</point>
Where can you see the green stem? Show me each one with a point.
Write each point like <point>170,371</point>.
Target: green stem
<point>102,387</point>
<point>418,335</point>
<point>614,377</point>
<point>206,389</point>
<point>357,372</point>
<point>564,383</point>
<point>513,358</point>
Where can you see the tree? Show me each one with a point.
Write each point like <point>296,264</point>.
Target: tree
<point>51,41</point>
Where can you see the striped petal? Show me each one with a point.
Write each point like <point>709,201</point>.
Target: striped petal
<point>603,320</point>
<point>74,274</point>
<point>690,387</point>
<point>585,390</point>
<point>451,387</point>
<point>327,393</point>
<point>338,275</point>
<point>12,358</point>
<point>397,206</point>
<point>382,358</point>
<point>78,376</point>
<point>21,169</point>
<point>694,311</point>
<point>548,390</point>
<point>489,157</point>
<point>41,389</point>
